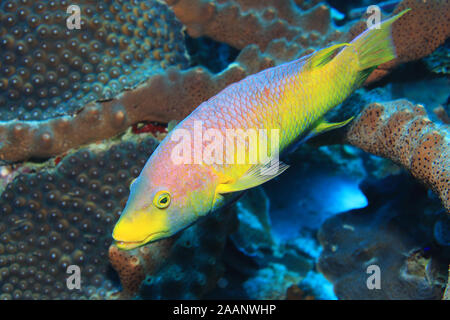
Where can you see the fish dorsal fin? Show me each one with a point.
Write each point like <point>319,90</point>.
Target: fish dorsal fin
<point>322,57</point>
<point>255,176</point>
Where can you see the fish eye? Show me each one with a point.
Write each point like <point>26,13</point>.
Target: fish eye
<point>162,199</point>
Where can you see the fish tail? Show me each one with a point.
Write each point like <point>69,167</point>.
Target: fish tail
<point>375,46</point>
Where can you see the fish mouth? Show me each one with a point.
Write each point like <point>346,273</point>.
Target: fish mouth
<point>129,245</point>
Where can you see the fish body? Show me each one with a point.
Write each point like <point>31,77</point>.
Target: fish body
<point>289,100</point>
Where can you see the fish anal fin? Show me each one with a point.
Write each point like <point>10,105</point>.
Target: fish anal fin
<point>324,126</point>
<point>255,176</point>
<point>322,57</point>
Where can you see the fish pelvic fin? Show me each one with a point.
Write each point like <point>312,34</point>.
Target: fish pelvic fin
<point>322,57</point>
<point>375,46</point>
<point>255,176</point>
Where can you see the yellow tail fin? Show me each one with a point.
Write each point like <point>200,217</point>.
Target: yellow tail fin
<point>375,46</point>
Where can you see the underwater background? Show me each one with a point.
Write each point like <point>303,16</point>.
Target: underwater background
<point>81,110</point>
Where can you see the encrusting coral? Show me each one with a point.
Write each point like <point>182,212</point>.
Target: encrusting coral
<point>402,132</point>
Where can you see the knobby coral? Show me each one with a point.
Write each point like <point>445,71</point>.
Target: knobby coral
<point>50,70</point>
<point>56,217</point>
<point>393,234</point>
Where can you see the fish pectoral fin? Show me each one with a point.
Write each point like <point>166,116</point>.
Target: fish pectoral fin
<point>255,176</point>
<point>322,57</point>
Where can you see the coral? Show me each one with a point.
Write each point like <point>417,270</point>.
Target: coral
<point>442,114</point>
<point>402,132</point>
<point>64,215</point>
<point>49,70</point>
<point>253,253</point>
<point>295,293</point>
<point>133,266</point>
<point>164,97</point>
<point>264,23</point>
<point>393,233</point>
<point>272,282</point>
<point>254,234</point>
<point>186,266</point>
<point>447,288</point>
<point>439,60</point>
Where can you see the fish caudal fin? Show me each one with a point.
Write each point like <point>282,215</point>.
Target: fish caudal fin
<point>375,46</point>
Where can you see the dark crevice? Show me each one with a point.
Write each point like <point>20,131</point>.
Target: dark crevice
<point>213,55</point>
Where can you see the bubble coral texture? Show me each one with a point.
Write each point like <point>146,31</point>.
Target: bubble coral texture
<point>49,70</point>
<point>61,216</point>
<point>186,266</point>
<point>402,132</point>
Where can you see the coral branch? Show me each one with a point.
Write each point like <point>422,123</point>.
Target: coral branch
<point>402,132</point>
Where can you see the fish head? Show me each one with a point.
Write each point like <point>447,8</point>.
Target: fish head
<point>164,199</point>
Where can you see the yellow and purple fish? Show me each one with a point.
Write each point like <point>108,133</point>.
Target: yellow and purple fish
<point>290,99</point>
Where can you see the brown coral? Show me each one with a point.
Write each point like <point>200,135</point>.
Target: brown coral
<point>402,132</point>
<point>241,23</point>
<point>62,216</point>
